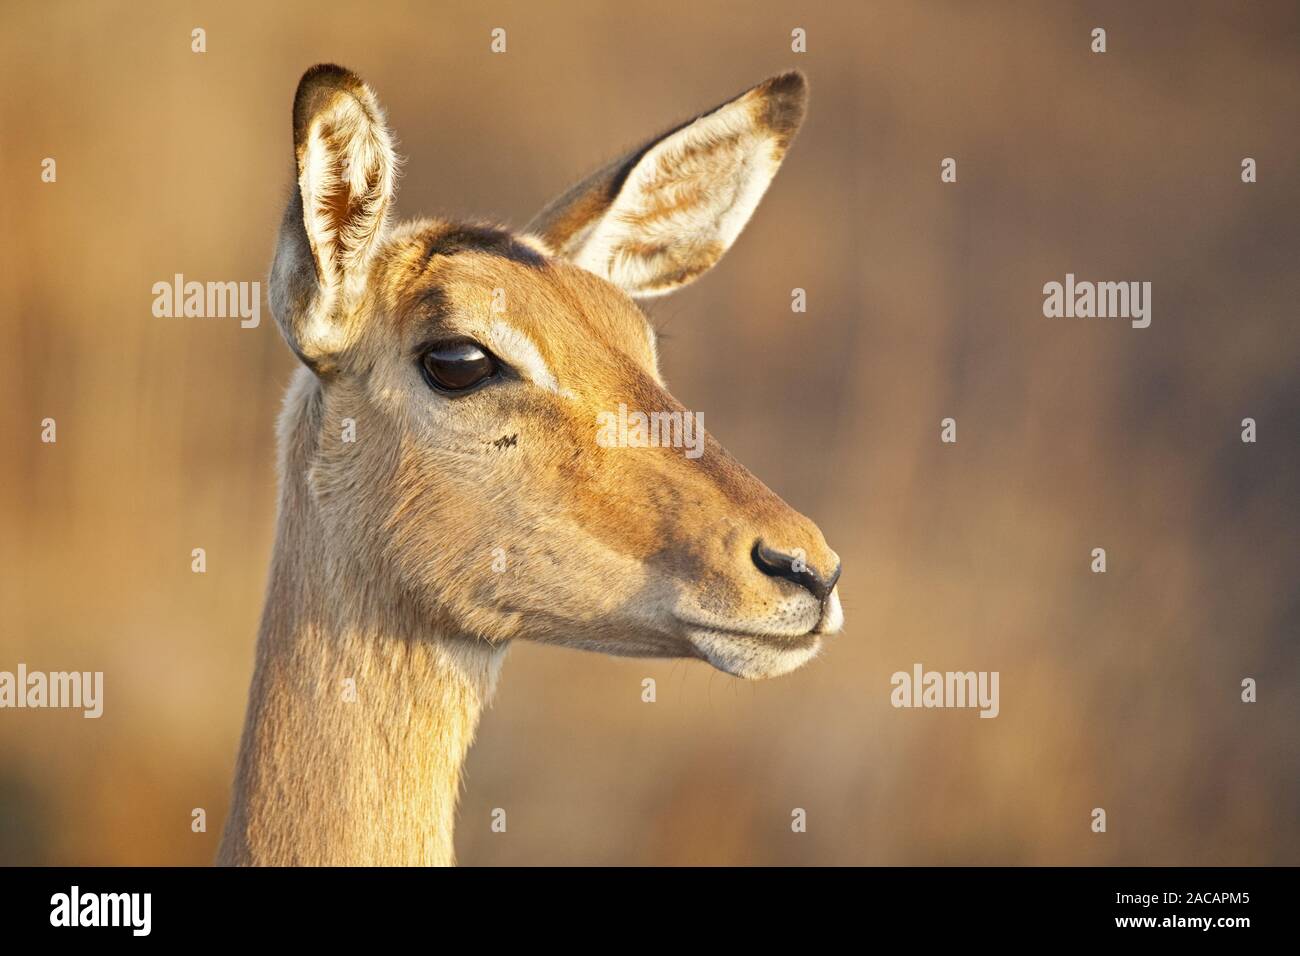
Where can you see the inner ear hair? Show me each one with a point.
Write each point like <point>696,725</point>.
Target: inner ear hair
<point>666,212</point>
<point>346,169</point>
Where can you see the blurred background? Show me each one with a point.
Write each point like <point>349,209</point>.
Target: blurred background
<point>1119,691</point>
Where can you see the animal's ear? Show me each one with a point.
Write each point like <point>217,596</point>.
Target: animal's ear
<point>337,214</point>
<point>662,215</point>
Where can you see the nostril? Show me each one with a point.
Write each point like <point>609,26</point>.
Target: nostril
<point>830,585</point>
<point>778,564</point>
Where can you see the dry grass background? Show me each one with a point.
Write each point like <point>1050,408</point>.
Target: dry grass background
<point>1118,691</point>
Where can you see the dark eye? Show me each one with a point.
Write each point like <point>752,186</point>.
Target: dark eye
<point>457,366</point>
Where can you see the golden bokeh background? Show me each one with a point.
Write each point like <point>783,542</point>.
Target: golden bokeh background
<point>1119,691</point>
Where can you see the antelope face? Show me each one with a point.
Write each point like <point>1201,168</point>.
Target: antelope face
<point>501,471</point>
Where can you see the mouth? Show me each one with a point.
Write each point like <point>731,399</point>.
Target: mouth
<point>790,641</point>
<point>832,615</point>
<point>756,654</point>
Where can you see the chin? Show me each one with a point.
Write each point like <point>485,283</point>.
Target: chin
<point>753,657</point>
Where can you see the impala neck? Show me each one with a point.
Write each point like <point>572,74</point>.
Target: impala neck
<point>359,716</point>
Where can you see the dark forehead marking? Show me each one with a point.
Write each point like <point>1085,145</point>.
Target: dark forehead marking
<point>487,239</point>
<point>432,302</point>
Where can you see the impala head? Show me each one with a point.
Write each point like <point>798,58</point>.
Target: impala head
<point>477,364</point>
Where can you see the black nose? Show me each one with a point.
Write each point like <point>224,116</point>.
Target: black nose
<point>778,564</point>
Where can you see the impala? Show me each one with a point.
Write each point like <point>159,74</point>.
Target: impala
<point>443,491</point>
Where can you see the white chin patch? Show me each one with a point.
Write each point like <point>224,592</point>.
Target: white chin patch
<point>753,658</point>
<point>833,617</point>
